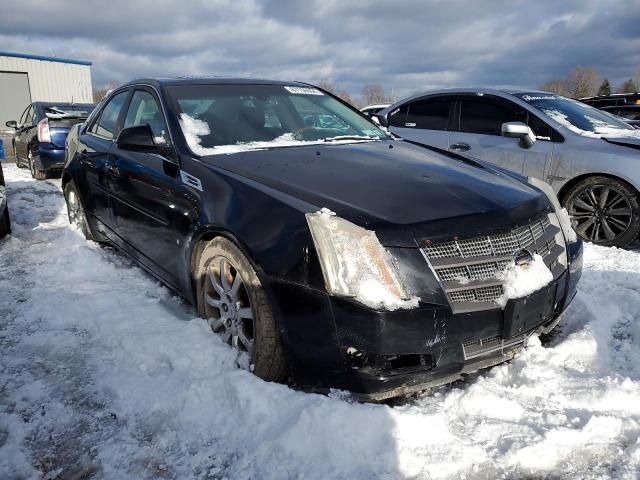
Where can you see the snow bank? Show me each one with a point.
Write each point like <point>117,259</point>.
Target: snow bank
<point>194,128</point>
<point>103,370</point>
<point>522,281</point>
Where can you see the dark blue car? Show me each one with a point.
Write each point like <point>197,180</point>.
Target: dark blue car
<point>329,254</point>
<point>40,134</point>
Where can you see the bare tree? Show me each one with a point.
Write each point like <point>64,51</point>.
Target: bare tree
<point>99,93</point>
<point>332,87</point>
<point>582,81</point>
<point>558,86</point>
<point>373,93</point>
<point>328,85</point>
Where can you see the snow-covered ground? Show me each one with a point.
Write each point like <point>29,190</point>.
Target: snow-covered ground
<point>105,374</point>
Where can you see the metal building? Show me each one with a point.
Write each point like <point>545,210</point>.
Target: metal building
<point>31,78</point>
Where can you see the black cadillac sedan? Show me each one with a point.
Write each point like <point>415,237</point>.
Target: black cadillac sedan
<point>329,254</point>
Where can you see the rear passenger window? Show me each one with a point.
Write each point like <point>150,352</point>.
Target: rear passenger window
<point>106,124</point>
<point>144,109</point>
<point>486,117</point>
<point>398,116</point>
<point>430,114</point>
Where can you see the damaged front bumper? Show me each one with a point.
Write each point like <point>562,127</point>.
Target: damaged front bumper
<point>336,343</point>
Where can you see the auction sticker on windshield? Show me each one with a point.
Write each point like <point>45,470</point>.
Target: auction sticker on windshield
<point>304,90</point>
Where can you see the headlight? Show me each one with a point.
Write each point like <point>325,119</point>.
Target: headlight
<point>562,214</point>
<point>355,264</point>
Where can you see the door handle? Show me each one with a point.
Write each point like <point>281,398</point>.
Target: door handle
<point>113,170</point>
<point>83,157</point>
<point>460,147</point>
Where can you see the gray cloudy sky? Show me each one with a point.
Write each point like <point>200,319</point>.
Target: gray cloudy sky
<point>404,45</point>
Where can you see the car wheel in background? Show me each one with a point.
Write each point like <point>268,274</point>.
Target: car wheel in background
<point>15,156</point>
<point>231,298</point>
<point>5,224</point>
<point>35,171</point>
<point>604,210</point>
<point>75,210</point>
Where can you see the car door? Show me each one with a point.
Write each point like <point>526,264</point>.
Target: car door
<point>22,134</point>
<point>478,132</point>
<point>424,120</point>
<point>95,145</point>
<point>149,202</point>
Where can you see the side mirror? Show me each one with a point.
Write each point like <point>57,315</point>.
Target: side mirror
<point>380,120</point>
<point>11,124</point>
<point>138,137</point>
<point>521,131</point>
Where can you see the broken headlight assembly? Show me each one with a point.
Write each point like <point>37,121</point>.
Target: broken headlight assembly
<point>355,264</point>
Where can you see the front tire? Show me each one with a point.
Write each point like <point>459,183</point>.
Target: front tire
<point>75,210</point>
<point>604,211</point>
<point>231,298</point>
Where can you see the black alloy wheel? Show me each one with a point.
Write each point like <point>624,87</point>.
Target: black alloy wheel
<point>604,211</point>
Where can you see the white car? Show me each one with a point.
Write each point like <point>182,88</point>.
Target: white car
<point>371,109</point>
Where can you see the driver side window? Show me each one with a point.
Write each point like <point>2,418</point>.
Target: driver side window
<point>144,109</point>
<point>107,123</point>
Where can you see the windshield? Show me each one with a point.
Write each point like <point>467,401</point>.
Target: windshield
<point>68,111</point>
<point>231,118</point>
<point>577,116</point>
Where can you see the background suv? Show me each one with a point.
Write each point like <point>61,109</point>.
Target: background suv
<point>588,156</point>
<point>40,133</point>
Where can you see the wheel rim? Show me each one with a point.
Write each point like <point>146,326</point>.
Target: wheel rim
<point>74,208</point>
<point>600,213</point>
<point>227,305</point>
<point>32,166</point>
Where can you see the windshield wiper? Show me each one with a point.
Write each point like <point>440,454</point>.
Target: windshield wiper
<point>350,137</point>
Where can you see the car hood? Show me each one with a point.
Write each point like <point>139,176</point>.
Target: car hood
<point>630,142</point>
<point>402,191</point>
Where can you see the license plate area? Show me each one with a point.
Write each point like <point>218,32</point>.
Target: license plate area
<point>524,314</point>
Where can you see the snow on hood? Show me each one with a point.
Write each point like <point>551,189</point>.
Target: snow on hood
<point>522,281</point>
<point>194,128</point>
<point>601,129</point>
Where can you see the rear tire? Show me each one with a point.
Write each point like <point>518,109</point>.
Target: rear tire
<point>35,171</point>
<point>228,293</point>
<point>75,210</point>
<point>604,211</point>
<point>15,156</point>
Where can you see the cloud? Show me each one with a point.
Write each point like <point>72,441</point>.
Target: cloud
<point>404,45</point>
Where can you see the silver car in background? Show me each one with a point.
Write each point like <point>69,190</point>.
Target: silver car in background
<point>590,157</point>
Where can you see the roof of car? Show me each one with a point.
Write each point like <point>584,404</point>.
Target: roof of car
<point>211,81</point>
<point>477,90</point>
<point>611,95</point>
<point>61,104</point>
<point>378,105</point>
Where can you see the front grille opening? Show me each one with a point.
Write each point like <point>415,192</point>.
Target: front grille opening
<point>480,260</point>
<point>482,294</point>
<point>397,364</point>
<point>482,346</point>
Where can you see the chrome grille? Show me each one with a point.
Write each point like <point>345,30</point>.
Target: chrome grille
<point>476,348</point>
<point>469,267</point>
